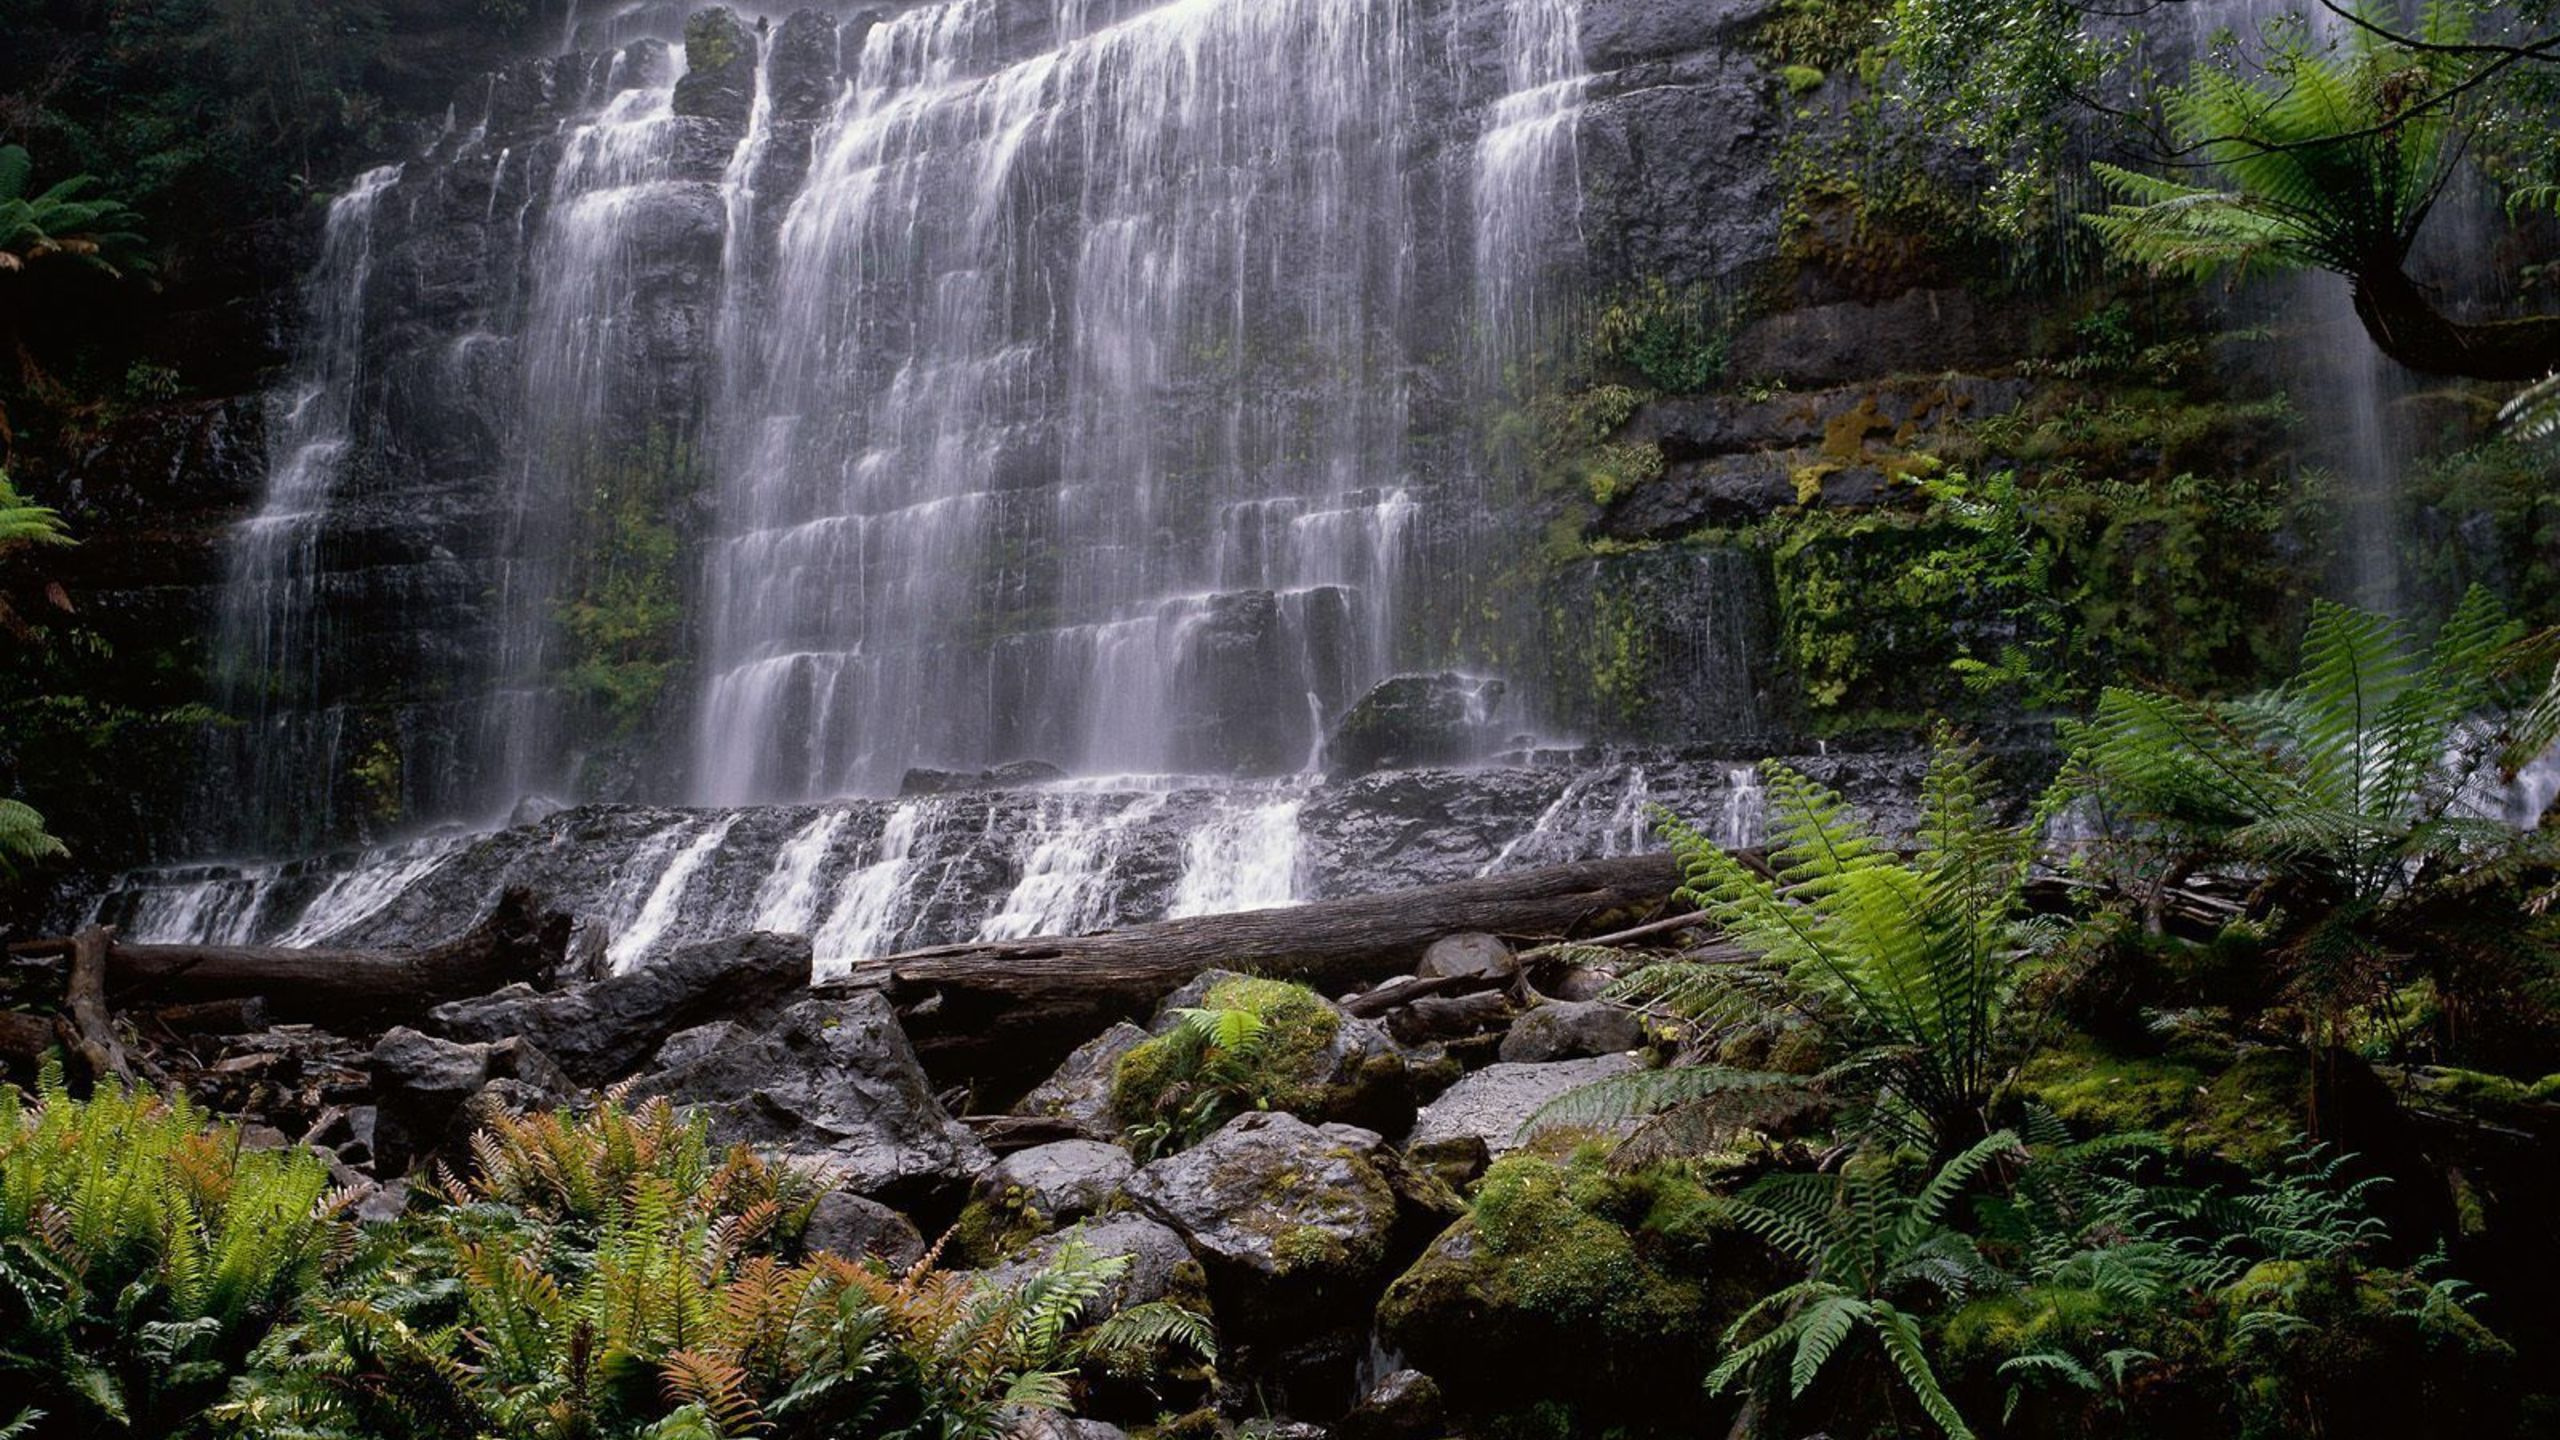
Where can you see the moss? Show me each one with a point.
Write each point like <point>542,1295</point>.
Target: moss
<point>1310,1247</point>
<point>710,40</point>
<point>2098,1092</point>
<point>2252,1113</point>
<point>1180,1081</point>
<point>1801,79</point>
<point>988,1230</point>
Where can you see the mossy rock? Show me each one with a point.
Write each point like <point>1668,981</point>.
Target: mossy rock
<point>1577,1286</point>
<point>1309,1059</point>
<point>2374,1354</point>
<point>2249,1111</point>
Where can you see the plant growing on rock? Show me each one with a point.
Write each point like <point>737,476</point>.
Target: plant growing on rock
<point>1912,965</point>
<point>1250,1045</point>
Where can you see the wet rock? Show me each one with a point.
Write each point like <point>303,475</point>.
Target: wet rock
<point>1450,1018</point>
<point>1064,1182</point>
<point>802,68</point>
<point>604,1030</point>
<point>1413,720</point>
<point>1455,1160</point>
<point>1494,1103</point>
<point>719,82</point>
<point>844,1223</point>
<point>1479,957</point>
<point>834,1082</point>
<point>1572,1030</point>
<point>1160,1265</point>
<point>428,1091</point>
<point>1080,1091</point>
<point>1012,775</point>
<point>1729,491</point>
<point>1404,1405</point>
<point>1917,331</point>
<point>1238,698</point>
<point>1295,1223</point>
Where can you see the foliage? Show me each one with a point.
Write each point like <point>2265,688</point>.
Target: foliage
<point>58,223</point>
<point>1250,1045</point>
<point>1870,1252</point>
<point>2333,156</point>
<point>143,1253</point>
<point>1914,964</point>
<point>612,1274</point>
<point>2361,797</point>
<point>622,622</point>
<point>1676,341</point>
<point>24,841</point>
<point>2533,413</point>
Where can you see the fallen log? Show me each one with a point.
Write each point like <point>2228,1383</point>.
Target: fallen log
<point>1004,1012</point>
<point>338,989</point>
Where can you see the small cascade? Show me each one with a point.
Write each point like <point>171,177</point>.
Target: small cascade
<point>787,901</point>
<point>1596,814</point>
<point>357,895</point>
<point>1070,864</point>
<point>639,938</point>
<point>1527,183</point>
<point>867,916</point>
<point>1630,829</point>
<point>1744,824</point>
<point>2529,797</point>
<point>1246,857</point>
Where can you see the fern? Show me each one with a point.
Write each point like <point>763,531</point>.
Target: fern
<point>1913,964</point>
<point>1868,1250</point>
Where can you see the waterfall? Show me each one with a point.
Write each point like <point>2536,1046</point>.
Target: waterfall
<point>1077,393</point>
<point>1745,821</point>
<point>1525,164</point>
<point>269,645</point>
<point>1247,857</point>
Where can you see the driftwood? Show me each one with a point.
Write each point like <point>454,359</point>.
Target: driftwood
<point>85,1000</point>
<point>336,988</point>
<point>1006,1011</point>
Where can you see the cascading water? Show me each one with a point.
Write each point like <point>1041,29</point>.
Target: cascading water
<point>273,605</point>
<point>1072,428</point>
<point>986,381</point>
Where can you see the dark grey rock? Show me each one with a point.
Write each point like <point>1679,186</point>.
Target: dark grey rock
<point>1917,331</point>
<point>1063,1182</point>
<point>834,1082</point>
<point>429,1093</point>
<point>1474,956</point>
<point>1494,1103</point>
<point>720,77</point>
<point>802,68</point>
<point>1412,720</point>
<point>1080,1091</point>
<point>1403,1405</point>
<point>1572,1030</point>
<point>1160,1265</point>
<point>1295,1222</point>
<point>604,1030</point>
<point>847,1224</point>
<point>1013,775</point>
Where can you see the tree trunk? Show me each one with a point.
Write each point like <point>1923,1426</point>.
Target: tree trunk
<point>86,1000</point>
<point>349,989</point>
<point>2409,329</point>
<point>1006,1011</point>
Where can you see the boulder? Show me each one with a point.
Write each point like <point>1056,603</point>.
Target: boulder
<point>1295,1223</point>
<point>834,1082</point>
<point>1494,1103</point>
<point>429,1092</point>
<point>1411,720</point>
<point>1403,1405</point>
<point>1080,1090</point>
<point>1572,1030</point>
<point>604,1030</point>
<point>846,1224</point>
<point>719,82</point>
<point>1012,775</point>
<point>1476,957</point>
<point>1325,1063</point>
<point>1160,1265</point>
<point>1573,1288</point>
<point>1034,1191</point>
